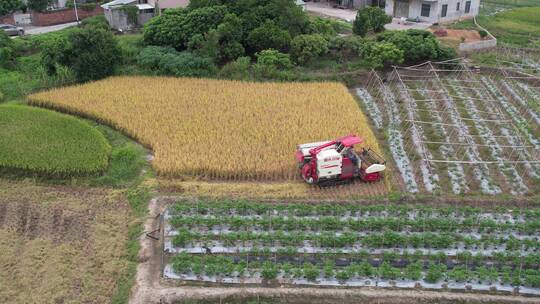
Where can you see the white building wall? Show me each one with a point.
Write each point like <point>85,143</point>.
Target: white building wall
<point>453,14</point>
<point>415,9</point>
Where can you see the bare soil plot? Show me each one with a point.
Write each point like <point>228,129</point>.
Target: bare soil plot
<point>61,245</point>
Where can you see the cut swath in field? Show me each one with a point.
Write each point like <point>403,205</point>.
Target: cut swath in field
<point>218,129</point>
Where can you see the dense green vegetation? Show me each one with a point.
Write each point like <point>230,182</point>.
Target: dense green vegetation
<point>48,143</point>
<point>8,6</point>
<point>222,32</point>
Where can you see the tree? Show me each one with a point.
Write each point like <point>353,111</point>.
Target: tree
<point>417,45</point>
<point>8,6</point>
<point>230,37</point>
<point>305,48</point>
<point>382,54</point>
<point>368,18</point>
<point>273,58</point>
<point>177,26</point>
<point>95,53</point>
<point>38,5</point>
<point>92,53</point>
<point>269,36</point>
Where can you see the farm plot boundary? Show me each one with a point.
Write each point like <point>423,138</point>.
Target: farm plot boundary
<point>392,246</point>
<point>453,130</point>
<point>151,288</point>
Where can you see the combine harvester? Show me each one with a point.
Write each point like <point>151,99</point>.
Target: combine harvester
<point>331,162</point>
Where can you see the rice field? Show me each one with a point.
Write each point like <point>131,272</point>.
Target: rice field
<point>216,129</point>
<point>38,141</point>
<point>354,245</point>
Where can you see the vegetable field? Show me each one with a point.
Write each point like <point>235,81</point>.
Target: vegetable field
<point>47,143</point>
<point>401,246</point>
<point>214,129</point>
<point>452,130</point>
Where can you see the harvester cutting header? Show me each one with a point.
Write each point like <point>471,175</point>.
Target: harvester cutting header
<point>336,160</point>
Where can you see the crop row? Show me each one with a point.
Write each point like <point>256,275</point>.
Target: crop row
<point>241,207</point>
<point>387,239</point>
<point>332,223</point>
<point>431,272</point>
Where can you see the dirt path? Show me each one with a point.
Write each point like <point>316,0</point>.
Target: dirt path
<point>149,287</point>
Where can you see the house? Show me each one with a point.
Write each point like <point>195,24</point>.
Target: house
<point>433,11</point>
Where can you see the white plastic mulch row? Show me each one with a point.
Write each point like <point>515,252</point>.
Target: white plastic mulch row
<point>373,109</point>
<point>431,179</point>
<point>481,171</point>
<point>395,141</point>
<point>524,103</point>
<point>456,173</point>
<point>532,169</point>
<point>510,173</point>
<point>256,278</point>
<point>512,111</point>
<point>500,218</point>
<point>219,247</point>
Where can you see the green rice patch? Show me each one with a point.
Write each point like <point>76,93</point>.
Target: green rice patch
<point>47,143</point>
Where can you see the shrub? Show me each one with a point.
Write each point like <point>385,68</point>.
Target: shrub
<point>8,6</point>
<point>238,69</point>
<point>274,58</point>
<point>91,52</point>
<point>304,48</point>
<point>175,27</point>
<point>269,36</point>
<point>7,51</point>
<point>311,272</point>
<point>383,54</point>
<point>1,96</point>
<point>38,5</point>
<point>483,34</point>
<point>94,53</point>
<point>322,26</point>
<point>167,61</point>
<point>269,271</point>
<point>96,22</point>
<point>370,17</point>
<point>417,45</point>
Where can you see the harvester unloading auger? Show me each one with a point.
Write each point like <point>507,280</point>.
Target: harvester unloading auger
<point>336,160</point>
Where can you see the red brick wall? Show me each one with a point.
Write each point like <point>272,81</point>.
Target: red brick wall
<point>62,16</point>
<point>7,19</point>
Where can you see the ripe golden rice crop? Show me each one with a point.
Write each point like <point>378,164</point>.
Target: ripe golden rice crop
<point>217,129</point>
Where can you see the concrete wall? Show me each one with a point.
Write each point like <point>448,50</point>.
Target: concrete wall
<point>62,16</point>
<point>118,19</point>
<point>142,18</point>
<point>22,19</point>
<point>468,47</point>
